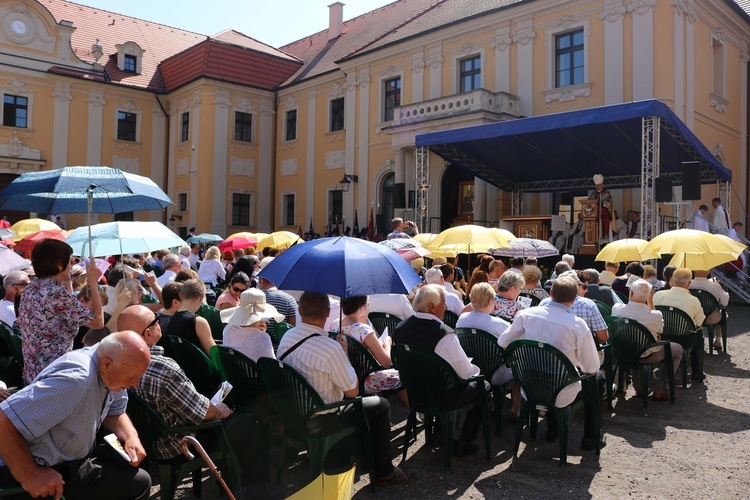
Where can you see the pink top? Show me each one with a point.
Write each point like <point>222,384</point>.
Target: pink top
<point>226,298</point>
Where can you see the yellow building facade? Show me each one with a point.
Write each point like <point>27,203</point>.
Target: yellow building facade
<point>243,136</point>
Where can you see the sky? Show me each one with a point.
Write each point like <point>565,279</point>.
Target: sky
<point>275,22</point>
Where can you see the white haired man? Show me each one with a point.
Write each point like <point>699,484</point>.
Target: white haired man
<point>641,309</point>
<point>701,282</point>
<point>14,283</point>
<point>171,263</point>
<point>434,276</point>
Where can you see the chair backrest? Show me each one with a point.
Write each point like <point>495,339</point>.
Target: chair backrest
<point>240,371</point>
<point>677,323</point>
<point>146,420</point>
<point>534,299</point>
<point>483,347</point>
<point>541,369</point>
<point>279,329</point>
<point>629,339</point>
<point>381,320</point>
<point>708,301</point>
<point>293,398</point>
<point>148,299</point>
<point>193,361</point>
<point>362,360</point>
<point>213,316</point>
<point>604,309</point>
<point>425,375</point>
<point>450,318</point>
<point>12,342</point>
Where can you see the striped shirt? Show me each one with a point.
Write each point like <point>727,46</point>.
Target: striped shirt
<point>320,360</point>
<point>166,389</point>
<point>283,302</point>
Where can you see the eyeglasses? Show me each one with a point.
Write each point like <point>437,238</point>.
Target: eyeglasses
<point>585,287</point>
<point>21,284</point>
<point>238,290</point>
<point>369,304</point>
<point>155,321</point>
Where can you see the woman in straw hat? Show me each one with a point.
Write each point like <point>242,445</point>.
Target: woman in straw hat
<point>246,325</point>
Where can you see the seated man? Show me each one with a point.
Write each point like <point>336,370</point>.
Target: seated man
<point>166,388</point>
<point>49,428</point>
<point>641,309</point>
<point>609,274</point>
<point>678,296</point>
<point>434,276</point>
<point>554,323</point>
<point>586,310</point>
<point>701,282</point>
<point>426,329</point>
<point>325,365</point>
<point>633,271</point>
<point>597,291</point>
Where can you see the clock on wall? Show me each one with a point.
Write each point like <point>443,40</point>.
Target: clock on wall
<point>19,27</point>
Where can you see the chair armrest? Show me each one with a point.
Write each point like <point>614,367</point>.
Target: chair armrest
<point>347,401</point>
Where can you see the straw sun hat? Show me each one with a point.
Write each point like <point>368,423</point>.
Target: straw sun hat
<point>252,309</point>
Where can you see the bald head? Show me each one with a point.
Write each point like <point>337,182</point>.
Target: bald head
<point>123,357</point>
<point>138,318</point>
<point>682,277</point>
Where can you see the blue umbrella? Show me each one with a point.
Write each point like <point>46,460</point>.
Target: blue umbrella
<point>341,266</point>
<point>205,238</point>
<point>86,190</point>
<point>121,237</point>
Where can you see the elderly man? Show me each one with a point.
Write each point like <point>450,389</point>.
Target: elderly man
<point>701,282</point>
<point>609,274</point>
<point>495,270</point>
<point>185,256</point>
<point>14,283</point>
<point>282,301</point>
<point>426,329</point>
<point>554,323</point>
<point>323,362</point>
<point>585,309</point>
<point>641,309</point>
<point>165,387</point>
<point>49,428</point>
<point>633,271</point>
<point>399,226</point>
<point>434,276</point>
<point>597,291</point>
<point>679,296</point>
<point>171,264</point>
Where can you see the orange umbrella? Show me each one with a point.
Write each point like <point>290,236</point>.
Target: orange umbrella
<point>29,241</point>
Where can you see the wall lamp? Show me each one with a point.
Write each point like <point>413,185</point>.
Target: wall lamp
<point>347,180</point>
<point>174,218</point>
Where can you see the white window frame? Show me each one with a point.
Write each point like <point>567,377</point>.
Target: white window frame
<point>283,210</point>
<point>570,92</point>
<point>720,89</point>
<point>129,107</point>
<point>456,67</point>
<point>187,201</point>
<point>330,113</point>
<point>251,210</point>
<point>182,115</point>
<point>296,135</point>
<point>381,93</point>
<point>131,49</point>
<point>253,125</point>
<point>18,92</point>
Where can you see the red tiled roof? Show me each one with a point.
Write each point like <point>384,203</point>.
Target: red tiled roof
<point>234,37</point>
<point>226,62</point>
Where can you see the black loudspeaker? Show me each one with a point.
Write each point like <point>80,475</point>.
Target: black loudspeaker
<point>663,189</point>
<point>691,181</point>
<point>399,195</point>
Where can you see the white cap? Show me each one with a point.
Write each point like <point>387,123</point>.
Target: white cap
<point>598,179</point>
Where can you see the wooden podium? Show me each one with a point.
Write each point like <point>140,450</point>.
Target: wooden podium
<point>590,215</point>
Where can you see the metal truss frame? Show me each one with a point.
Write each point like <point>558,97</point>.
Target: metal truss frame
<point>422,184</point>
<point>650,144</point>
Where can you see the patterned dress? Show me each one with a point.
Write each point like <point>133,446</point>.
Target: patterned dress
<point>381,380</point>
<point>505,307</point>
<point>49,317</point>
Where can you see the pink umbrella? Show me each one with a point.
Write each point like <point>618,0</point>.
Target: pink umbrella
<point>28,242</point>
<point>237,242</point>
<point>411,254</point>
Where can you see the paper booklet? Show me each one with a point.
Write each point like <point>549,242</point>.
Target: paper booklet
<point>384,336</point>
<point>524,301</point>
<point>221,393</point>
<point>115,443</point>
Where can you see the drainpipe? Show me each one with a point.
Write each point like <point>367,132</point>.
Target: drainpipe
<point>165,179</point>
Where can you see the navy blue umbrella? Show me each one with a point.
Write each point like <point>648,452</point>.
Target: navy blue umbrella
<point>341,266</point>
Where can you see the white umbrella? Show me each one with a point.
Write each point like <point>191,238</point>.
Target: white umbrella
<point>119,238</point>
<point>11,261</point>
<point>527,247</point>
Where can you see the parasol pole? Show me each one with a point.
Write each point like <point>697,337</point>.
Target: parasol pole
<point>89,209</point>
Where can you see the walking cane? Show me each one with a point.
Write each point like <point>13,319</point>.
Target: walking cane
<point>185,451</point>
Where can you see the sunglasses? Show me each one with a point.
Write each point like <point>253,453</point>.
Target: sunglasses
<point>156,320</point>
<point>238,290</point>
<point>585,287</point>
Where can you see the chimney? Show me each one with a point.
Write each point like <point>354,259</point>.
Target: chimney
<point>335,19</point>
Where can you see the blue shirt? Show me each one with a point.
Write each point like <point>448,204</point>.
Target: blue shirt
<point>63,408</point>
<point>586,310</point>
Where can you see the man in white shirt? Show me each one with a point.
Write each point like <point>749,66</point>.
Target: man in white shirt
<point>721,217</point>
<point>323,362</point>
<point>426,329</point>
<point>434,276</point>
<point>640,309</point>
<point>185,256</point>
<point>555,324</point>
<point>194,257</point>
<point>701,282</point>
<point>699,222</point>
<point>171,265</point>
<point>14,283</point>
<point>516,265</point>
<point>392,303</point>
<point>609,274</point>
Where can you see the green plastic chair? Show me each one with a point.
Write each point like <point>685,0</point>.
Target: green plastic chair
<point>450,318</point>
<point>12,342</point>
<point>534,299</point>
<point>362,360</point>
<point>630,339</point>
<point>604,309</point>
<point>709,305</point>
<point>488,356</point>
<point>194,362</point>
<point>13,491</point>
<point>381,320</point>
<point>279,329</point>
<point>213,316</point>
<point>427,377</point>
<point>240,371</point>
<point>543,371</point>
<point>148,299</point>
<point>679,328</point>
<point>295,401</point>
<point>151,427</point>
<point>624,298</point>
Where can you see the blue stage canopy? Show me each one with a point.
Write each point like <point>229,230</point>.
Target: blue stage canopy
<point>565,150</point>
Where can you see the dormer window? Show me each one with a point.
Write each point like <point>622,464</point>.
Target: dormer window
<point>129,57</point>
<point>130,63</point>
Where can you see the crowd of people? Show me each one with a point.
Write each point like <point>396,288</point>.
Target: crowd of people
<point>104,332</point>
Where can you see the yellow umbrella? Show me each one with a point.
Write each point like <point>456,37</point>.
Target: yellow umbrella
<point>325,487</point>
<point>424,238</point>
<point>280,240</point>
<point>690,241</point>
<point>467,239</point>
<point>627,250</point>
<point>29,226</point>
<point>246,234</point>
<point>503,233</point>
<point>702,261</point>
